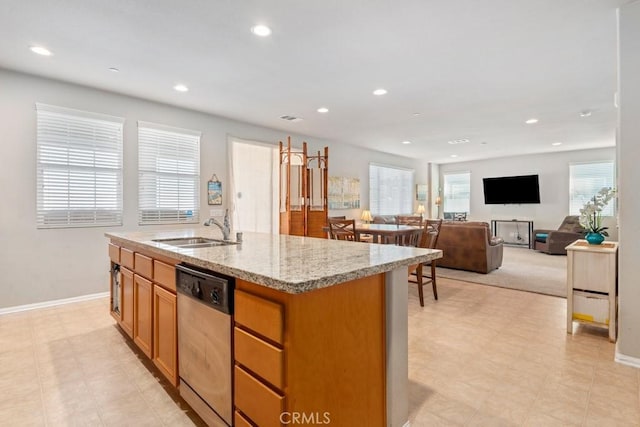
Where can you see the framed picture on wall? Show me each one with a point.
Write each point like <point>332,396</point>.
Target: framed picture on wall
<point>214,191</point>
<point>421,192</point>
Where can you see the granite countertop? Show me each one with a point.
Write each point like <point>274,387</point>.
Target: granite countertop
<point>287,263</point>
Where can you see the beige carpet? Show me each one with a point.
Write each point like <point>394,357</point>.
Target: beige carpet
<point>523,269</point>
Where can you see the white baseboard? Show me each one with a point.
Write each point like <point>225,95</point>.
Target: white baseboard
<point>53,303</point>
<point>627,360</point>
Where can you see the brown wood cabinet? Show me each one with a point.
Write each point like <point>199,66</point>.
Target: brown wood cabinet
<point>143,314</point>
<point>126,300</point>
<point>148,305</point>
<point>311,353</point>
<point>165,333</point>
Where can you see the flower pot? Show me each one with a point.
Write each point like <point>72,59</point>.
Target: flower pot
<point>594,238</point>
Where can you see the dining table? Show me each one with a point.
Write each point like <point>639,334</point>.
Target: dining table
<point>387,233</point>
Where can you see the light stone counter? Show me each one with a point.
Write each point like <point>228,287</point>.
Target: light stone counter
<point>287,263</point>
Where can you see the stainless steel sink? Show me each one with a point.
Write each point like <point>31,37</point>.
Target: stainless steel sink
<point>194,242</point>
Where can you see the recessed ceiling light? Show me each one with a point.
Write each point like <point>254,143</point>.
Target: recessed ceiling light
<point>585,113</point>
<point>40,50</point>
<point>114,70</point>
<point>181,88</point>
<point>406,142</point>
<point>261,30</point>
<point>531,121</point>
<point>322,110</point>
<point>454,155</point>
<point>416,114</point>
<point>380,92</point>
<point>556,143</point>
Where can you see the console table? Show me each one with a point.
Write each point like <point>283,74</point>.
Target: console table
<point>592,285</point>
<point>530,237</point>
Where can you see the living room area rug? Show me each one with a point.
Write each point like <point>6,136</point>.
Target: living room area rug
<point>522,269</point>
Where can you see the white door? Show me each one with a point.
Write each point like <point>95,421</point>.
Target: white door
<point>255,186</point>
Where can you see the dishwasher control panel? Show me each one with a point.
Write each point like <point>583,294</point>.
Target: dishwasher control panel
<point>211,288</point>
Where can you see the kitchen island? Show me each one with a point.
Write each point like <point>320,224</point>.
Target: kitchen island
<point>320,326</point>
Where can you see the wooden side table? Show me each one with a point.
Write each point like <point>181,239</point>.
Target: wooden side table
<point>592,285</point>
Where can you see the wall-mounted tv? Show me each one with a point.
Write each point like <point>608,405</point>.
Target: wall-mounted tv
<point>511,190</point>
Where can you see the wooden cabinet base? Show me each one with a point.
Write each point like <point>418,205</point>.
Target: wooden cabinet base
<point>333,353</point>
<point>165,334</point>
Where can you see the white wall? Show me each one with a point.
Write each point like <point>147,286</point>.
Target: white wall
<point>553,175</point>
<point>43,265</point>
<point>629,177</point>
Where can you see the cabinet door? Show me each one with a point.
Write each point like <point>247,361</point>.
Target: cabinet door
<point>126,301</point>
<point>165,328</point>
<point>143,314</point>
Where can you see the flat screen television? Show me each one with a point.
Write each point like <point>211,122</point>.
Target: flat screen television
<point>511,190</point>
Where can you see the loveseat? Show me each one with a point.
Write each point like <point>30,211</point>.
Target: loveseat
<point>554,242</point>
<point>469,246</point>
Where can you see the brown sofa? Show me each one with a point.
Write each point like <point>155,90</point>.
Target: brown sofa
<point>469,246</point>
<point>554,242</point>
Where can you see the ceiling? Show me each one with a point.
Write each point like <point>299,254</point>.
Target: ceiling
<point>458,69</point>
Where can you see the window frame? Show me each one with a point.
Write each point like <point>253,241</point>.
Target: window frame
<point>447,195</point>
<point>576,203</point>
<point>374,205</point>
<point>153,176</point>
<point>84,138</point>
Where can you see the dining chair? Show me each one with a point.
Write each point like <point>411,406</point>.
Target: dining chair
<point>428,240</point>
<point>343,229</point>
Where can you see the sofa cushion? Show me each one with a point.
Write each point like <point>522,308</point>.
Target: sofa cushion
<point>541,237</point>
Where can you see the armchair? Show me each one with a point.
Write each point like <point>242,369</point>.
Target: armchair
<point>554,241</point>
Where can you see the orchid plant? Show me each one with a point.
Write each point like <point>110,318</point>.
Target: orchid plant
<point>591,213</point>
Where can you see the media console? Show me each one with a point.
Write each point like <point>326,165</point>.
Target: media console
<point>520,240</point>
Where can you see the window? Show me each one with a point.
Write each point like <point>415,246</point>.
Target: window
<point>457,192</point>
<point>79,168</point>
<point>390,190</point>
<point>585,180</point>
<point>168,175</point>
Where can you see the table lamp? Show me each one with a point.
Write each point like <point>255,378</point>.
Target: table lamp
<point>366,216</point>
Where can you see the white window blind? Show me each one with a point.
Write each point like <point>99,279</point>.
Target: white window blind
<point>390,190</point>
<point>79,168</point>
<point>585,180</point>
<point>168,175</point>
<point>457,192</point>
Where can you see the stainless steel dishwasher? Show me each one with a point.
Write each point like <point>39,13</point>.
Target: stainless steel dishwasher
<point>205,305</point>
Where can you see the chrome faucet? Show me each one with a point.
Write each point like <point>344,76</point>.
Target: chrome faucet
<point>225,227</point>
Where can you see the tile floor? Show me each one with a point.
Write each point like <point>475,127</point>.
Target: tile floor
<point>478,356</point>
<point>487,356</point>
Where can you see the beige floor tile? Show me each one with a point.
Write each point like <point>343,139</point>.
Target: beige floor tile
<point>479,356</point>
<point>22,411</point>
<point>538,419</point>
<point>449,409</point>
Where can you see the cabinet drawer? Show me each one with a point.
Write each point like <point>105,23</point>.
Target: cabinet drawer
<point>240,421</point>
<point>164,274</point>
<point>126,258</point>
<point>143,265</point>
<point>261,404</point>
<point>260,357</point>
<point>114,253</point>
<point>589,307</point>
<point>260,315</point>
